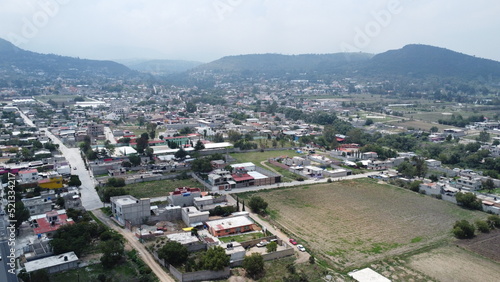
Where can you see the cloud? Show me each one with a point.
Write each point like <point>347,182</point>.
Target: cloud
<point>208,29</point>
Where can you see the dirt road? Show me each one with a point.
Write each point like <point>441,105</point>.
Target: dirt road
<point>145,255</point>
<point>301,256</point>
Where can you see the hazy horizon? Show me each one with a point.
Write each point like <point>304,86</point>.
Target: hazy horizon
<point>206,30</point>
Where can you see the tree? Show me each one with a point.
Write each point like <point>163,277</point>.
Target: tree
<point>190,107</point>
<point>493,221</point>
<point>463,229</point>
<point>174,253</point>
<point>434,129</point>
<point>257,204</point>
<point>74,180</point>
<point>488,184</point>
<point>109,147</point>
<point>180,154</point>
<point>482,226</point>
<point>215,259</point>
<point>468,200</point>
<point>60,201</point>
<point>112,251</point>
<point>199,146</point>
<point>369,122</point>
<point>142,143</point>
<point>272,247</point>
<point>254,265</point>
<point>218,137</point>
<point>135,160</point>
<point>483,136</point>
<point>233,135</point>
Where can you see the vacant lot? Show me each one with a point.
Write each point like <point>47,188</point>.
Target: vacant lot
<point>485,244</point>
<point>158,188</point>
<point>257,157</point>
<point>455,264</point>
<point>351,223</point>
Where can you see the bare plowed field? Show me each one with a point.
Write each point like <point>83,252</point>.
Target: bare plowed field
<point>454,264</point>
<point>485,244</point>
<point>351,223</point>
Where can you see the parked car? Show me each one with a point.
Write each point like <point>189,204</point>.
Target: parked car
<point>262,243</point>
<point>301,248</point>
<point>292,241</point>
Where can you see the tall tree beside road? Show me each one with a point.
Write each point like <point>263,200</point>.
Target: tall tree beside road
<point>174,253</point>
<point>142,143</point>
<point>180,154</point>
<point>74,180</point>
<point>257,204</point>
<point>199,146</point>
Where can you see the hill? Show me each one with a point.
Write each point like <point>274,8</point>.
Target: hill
<point>411,61</point>
<point>22,64</point>
<point>424,60</point>
<point>162,67</point>
<point>277,63</point>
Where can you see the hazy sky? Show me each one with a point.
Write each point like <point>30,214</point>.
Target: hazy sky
<point>206,30</point>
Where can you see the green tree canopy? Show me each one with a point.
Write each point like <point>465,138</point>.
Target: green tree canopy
<point>463,229</point>
<point>254,265</point>
<point>174,253</point>
<point>257,204</point>
<point>215,259</point>
<point>468,200</point>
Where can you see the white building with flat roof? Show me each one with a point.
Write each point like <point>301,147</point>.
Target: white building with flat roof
<point>53,264</point>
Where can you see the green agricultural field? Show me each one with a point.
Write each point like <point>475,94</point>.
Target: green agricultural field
<point>349,224</point>
<point>257,157</point>
<point>159,188</point>
<point>66,99</point>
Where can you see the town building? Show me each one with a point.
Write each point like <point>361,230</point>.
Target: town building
<point>28,176</point>
<point>37,205</point>
<point>53,264</point>
<point>129,210</point>
<point>230,225</point>
<point>193,217</point>
<point>183,196</point>
<point>48,223</point>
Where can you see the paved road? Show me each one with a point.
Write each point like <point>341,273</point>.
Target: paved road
<point>297,183</point>
<point>109,135</point>
<point>90,199</point>
<point>141,249</point>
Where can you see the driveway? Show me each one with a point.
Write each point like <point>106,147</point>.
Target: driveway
<point>301,256</point>
<point>134,242</point>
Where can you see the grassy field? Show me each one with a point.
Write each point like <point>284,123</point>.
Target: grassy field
<point>352,223</point>
<point>137,130</point>
<point>158,188</point>
<point>257,157</point>
<point>242,238</point>
<point>422,125</point>
<point>123,272</point>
